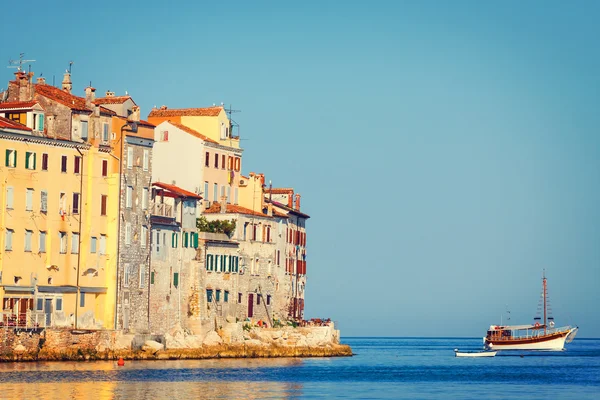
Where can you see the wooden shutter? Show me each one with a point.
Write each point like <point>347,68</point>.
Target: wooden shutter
<point>34,160</point>
<point>185,239</point>
<point>176,279</point>
<point>195,240</point>
<point>152,278</point>
<point>27,160</point>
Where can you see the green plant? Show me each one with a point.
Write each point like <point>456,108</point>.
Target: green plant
<point>217,226</point>
<point>247,327</point>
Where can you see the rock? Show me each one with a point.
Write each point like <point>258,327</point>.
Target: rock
<point>253,342</point>
<point>19,348</point>
<point>123,342</point>
<point>152,346</point>
<point>212,338</point>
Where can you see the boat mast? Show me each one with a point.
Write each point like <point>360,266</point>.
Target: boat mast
<point>544,293</point>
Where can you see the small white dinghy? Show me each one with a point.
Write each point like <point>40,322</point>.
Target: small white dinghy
<point>486,353</point>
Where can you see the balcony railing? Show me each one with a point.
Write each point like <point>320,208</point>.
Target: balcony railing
<point>29,320</point>
<point>163,210</point>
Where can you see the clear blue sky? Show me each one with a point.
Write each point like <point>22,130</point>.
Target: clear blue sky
<point>446,151</point>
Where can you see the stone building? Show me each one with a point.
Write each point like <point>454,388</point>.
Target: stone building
<point>174,283</point>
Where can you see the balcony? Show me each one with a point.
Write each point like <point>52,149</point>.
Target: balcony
<point>163,210</point>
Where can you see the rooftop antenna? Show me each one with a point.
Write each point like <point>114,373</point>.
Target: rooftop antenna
<point>70,66</point>
<point>18,64</point>
<point>233,123</point>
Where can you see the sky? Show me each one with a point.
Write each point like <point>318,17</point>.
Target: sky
<point>447,152</point>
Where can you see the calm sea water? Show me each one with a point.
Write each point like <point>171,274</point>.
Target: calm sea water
<point>383,368</point>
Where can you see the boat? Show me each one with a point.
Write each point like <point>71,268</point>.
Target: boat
<point>486,353</point>
<point>541,335</point>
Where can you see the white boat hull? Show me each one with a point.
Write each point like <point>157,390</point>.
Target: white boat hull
<point>475,354</point>
<point>551,344</point>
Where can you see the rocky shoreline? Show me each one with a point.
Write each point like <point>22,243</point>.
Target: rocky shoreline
<point>236,340</point>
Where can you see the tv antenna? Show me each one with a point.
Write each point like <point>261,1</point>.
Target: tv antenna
<point>71,65</point>
<point>18,64</point>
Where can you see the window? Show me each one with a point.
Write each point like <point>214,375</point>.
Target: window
<point>128,233</point>
<point>152,278</point>
<point>103,202</point>
<point>29,200</point>
<point>237,163</point>
<point>63,164</point>
<point>216,160</point>
<point>44,162</point>
<point>228,195</point>
<point>126,275</point>
<point>207,159</point>
<point>268,299</point>
<point>77,165</point>
<point>28,235</point>
<point>145,199</point>
<point>146,160</point>
<point>62,204</point>
<point>8,239</point>
<point>129,157</point>
<point>176,279</point>
<point>75,203</point>
<point>185,239</point>
<point>218,297</point>
<point>40,304</point>
<point>144,236</point>
<point>217,264</point>
<point>20,117</point>
<point>278,257</point>
<point>42,242</point>
<point>84,130</point>
<point>9,198</point>
<point>63,242</point>
<point>229,163</point>
<point>75,243</point>
<point>253,232</point>
<point>158,242</point>
<point>104,167</point>
<point>102,244</point>
<point>82,299</point>
<point>223,161</point>
<point>268,234</point>
<point>240,298</point>
<point>222,192</point>
<point>11,158</point>
<point>258,299</point>
<point>40,121</point>
<point>129,197</point>
<point>58,304</point>
<point>174,237</point>
<point>209,262</point>
<point>44,201</point>
<point>215,192</point>
<point>209,295</point>
<point>105,132</point>
<point>30,159</point>
<point>205,194</point>
<point>235,195</point>
<point>142,276</point>
<point>93,244</point>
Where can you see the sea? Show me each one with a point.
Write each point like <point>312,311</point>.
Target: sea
<point>382,368</point>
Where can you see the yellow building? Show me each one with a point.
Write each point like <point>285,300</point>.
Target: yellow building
<point>56,259</point>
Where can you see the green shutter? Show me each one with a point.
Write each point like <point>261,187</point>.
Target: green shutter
<point>7,154</point>
<point>15,159</point>
<point>174,239</point>
<point>152,278</point>
<point>176,279</point>
<point>34,160</point>
<point>208,261</point>
<point>222,263</point>
<point>185,239</point>
<point>237,261</point>
<point>27,160</point>
<point>195,240</point>
<point>41,122</point>
<point>230,265</point>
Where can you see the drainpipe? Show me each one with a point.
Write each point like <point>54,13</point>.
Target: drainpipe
<point>80,235</point>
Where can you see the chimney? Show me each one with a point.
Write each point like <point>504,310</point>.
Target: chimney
<point>223,204</point>
<point>22,82</point>
<point>90,96</point>
<point>67,85</point>
<point>269,209</point>
<point>163,107</point>
<point>110,94</point>
<point>41,81</point>
<point>290,199</point>
<point>135,114</point>
<point>297,207</point>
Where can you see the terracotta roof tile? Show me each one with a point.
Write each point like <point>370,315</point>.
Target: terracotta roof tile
<point>113,100</point>
<point>279,190</point>
<point>17,104</point>
<point>10,124</point>
<point>192,132</point>
<point>60,96</point>
<point>177,190</point>
<point>188,112</point>
<point>107,111</point>
<point>215,208</point>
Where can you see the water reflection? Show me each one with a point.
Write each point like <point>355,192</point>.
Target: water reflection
<point>247,379</point>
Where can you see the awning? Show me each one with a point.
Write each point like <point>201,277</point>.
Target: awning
<point>57,289</point>
<point>83,289</point>
<point>18,289</point>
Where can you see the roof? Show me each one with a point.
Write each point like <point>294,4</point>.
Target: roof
<point>188,112</point>
<point>17,104</point>
<point>10,124</point>
<point>215,208</point>
<point>62,97</point>
<point>192,132</point>
<point>280,190</point>
<point>288,209</point>
<point>177,190</point>
<point>113,100</point>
